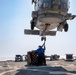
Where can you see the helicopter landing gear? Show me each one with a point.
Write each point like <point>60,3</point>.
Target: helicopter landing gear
<point>43,38</point>
<point>32,25</point>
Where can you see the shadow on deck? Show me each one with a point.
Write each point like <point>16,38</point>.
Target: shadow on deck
<point>44,70</point>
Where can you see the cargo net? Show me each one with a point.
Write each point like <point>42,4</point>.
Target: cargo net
<point>33,58</point>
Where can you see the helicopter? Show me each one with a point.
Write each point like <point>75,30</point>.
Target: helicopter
<point>48,15</point>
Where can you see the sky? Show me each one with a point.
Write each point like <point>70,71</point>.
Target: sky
<point>15,16</point>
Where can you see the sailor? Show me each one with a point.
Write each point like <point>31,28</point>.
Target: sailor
<point>41,56</point>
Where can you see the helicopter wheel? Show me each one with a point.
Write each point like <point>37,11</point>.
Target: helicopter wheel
<point>32,25</point>
<point>66,27</point>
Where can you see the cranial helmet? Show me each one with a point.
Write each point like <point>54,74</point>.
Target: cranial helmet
<point>39,46</point>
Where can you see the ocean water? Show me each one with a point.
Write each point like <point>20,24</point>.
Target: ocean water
<point>13,58</point>
<point>6,58</point>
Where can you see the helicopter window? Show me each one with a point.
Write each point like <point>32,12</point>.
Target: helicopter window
<point>40,3</point>
<point>64,4</point>
<point>36,5</point>
<point>64,1</point>
<point>47,3</point>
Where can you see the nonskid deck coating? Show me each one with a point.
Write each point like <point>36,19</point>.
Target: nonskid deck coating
<point>59,67</point>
